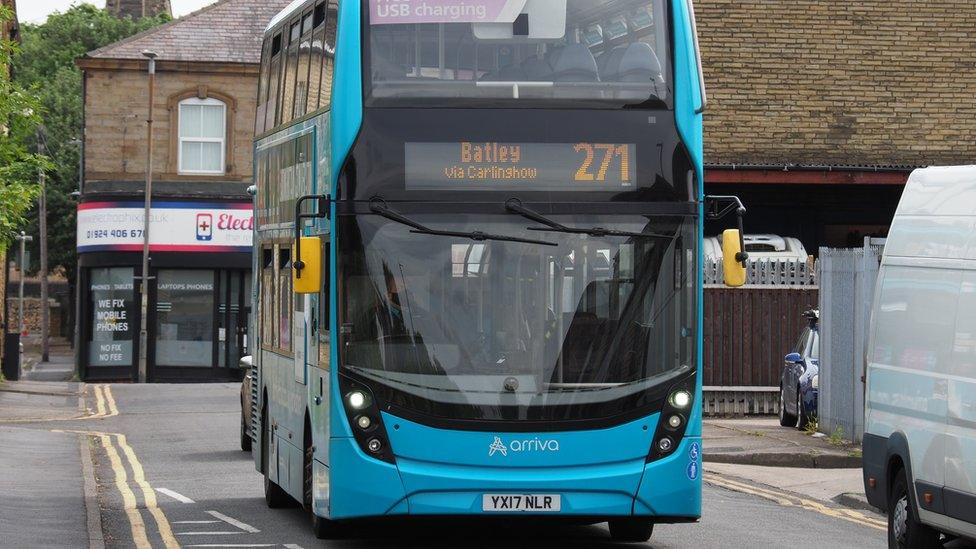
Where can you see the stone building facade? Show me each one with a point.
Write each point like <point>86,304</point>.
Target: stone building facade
<point>204,104</point>
<point>818,110</point>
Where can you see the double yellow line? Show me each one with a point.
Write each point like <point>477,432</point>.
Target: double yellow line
<point>116,445</point>
<point>104,403</point>
<point>129,500</point>
<point>791,500</point>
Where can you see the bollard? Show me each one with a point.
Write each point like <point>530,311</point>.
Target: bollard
<point>11,357</point>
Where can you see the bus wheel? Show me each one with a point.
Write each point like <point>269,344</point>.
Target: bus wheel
<point>631,529</point>
<point>322,528</point>
<point>904,529</point>
<point>274,496</point>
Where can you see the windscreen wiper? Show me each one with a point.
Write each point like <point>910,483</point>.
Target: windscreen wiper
<point>514,205</point>
<point>380,208</point>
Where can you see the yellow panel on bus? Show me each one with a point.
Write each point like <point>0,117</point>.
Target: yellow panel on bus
<point>310,281</point>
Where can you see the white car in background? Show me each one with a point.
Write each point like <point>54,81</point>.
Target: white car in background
<point>761,246</point>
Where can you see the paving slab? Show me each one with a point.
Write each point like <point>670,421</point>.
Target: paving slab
<point>42,486</point>
<point>763,441</point>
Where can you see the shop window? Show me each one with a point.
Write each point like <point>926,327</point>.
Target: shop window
<point>202,136</point>
<point>113,317</point>
<point>185,318</point>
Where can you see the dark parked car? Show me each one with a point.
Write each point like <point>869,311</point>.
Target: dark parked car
<point>800,379</point>
<point>245,365</point>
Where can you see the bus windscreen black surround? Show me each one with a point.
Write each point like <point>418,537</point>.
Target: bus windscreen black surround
<point>492,165</point>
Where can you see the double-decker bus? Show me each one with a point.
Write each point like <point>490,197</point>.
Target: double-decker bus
<point>478,264</point>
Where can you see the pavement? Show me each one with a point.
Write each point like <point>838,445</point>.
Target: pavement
<point>763,441</point>
<point>761,451</point>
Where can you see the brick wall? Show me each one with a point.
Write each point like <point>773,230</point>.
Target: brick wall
<point>115,122</point>
<point>32,316</point>
<point>824,82</point>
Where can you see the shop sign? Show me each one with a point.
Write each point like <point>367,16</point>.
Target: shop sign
<point>173,227</point>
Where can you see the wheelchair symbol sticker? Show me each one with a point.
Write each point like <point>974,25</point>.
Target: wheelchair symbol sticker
<point>694,452</point>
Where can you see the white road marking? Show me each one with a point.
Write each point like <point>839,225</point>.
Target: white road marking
<point>175,495</point>
<point>234,522</point>
<point>233,545</point>
<point>292,546</point>
<point>195,521</point>
<point>208,533</point>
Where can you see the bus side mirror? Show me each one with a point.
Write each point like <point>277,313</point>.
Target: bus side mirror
<point>733,264</point>
<point>306,273</point>
<point>734,256</point>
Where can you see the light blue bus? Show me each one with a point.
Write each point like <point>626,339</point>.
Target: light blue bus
<point>478,263</point>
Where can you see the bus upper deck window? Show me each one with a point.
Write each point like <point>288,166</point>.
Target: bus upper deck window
<point>610,52</point>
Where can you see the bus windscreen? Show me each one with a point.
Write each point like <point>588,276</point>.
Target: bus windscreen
<point>509,166</point>
<point>519,53</point>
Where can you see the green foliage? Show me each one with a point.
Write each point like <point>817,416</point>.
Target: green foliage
<point>812,427</point>
<point>46,66</point>
<point>837,437</point>
<point>19,115</point>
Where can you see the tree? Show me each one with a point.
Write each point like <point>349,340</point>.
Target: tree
<point>19,116</point>
<point>46,66</point>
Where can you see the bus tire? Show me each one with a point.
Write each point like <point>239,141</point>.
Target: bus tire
<point>633,530</point>
<point>274,496</point>
<point>905,531</point>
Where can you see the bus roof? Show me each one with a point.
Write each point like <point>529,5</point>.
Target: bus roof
<point>284,14</point>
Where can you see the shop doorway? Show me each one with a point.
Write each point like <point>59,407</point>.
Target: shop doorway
<point>198,324</point>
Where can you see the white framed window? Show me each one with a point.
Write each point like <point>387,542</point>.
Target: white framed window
<point>203,136</point>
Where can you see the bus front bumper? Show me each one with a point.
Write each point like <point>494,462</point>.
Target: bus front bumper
<point>668,489</point>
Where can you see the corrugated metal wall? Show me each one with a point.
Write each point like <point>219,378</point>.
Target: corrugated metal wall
<point>847,279</point>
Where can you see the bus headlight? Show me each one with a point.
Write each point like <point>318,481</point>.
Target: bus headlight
<point>681,399</point>
<point>357,399</point>
<point>362,410</point>
<point>665,445</point>
<point>673,419</point>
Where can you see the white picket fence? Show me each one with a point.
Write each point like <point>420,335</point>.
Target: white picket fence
<point>767,272</point>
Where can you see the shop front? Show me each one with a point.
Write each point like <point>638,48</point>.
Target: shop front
<point>199,290</point>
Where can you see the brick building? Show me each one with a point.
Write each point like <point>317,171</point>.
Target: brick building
<point>819,110</point>
<point>200,238</point>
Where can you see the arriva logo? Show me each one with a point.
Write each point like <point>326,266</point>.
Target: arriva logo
<point>524,445</point>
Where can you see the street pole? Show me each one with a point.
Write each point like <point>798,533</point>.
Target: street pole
<point>144,286</point>
<point>24,239</point>
<point>42,222</point>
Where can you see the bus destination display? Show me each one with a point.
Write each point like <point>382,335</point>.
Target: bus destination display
<point>486,166</point>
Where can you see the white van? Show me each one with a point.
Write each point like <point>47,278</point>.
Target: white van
<point>920,417</point>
